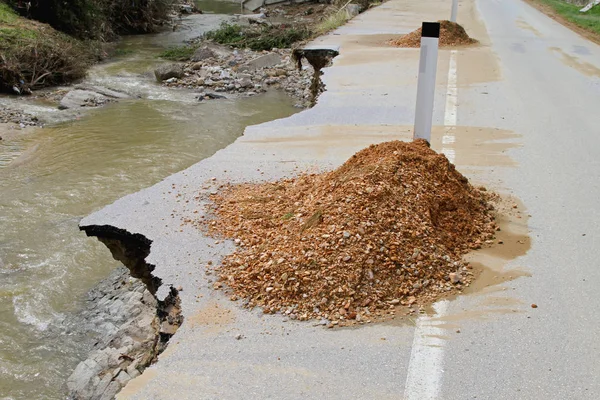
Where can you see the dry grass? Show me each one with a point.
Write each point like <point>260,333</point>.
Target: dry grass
<point>33,55</point>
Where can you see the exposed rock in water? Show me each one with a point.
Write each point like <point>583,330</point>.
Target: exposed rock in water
<point>168,71</point>
<point>127,324</point>
<point>121,315</point>
<point>130,325</point>
<point>90,96</point>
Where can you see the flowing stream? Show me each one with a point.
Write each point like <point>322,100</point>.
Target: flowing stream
<point>53,176</point>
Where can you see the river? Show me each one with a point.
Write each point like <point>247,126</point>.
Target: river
<point>53,176</point>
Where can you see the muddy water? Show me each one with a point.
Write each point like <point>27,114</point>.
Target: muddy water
<point>51,177</point>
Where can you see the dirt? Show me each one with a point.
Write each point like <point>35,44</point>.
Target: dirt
<point>451,35</point>
<point>386,229</point>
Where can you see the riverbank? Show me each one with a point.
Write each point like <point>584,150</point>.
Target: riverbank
<point>51,177</point>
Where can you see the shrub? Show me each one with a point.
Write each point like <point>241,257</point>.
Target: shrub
<point>33,55</point>
<point>179,53</point>
<point>259,38</point>
<point>100,19</point>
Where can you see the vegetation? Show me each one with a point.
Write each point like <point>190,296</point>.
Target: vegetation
<point>98,19</point>
<point>55,41</point>
<point>261,37</point>
<point>589,21</point>
<point>34,55</point>
<point>179,53</point>
<point>332,22</point>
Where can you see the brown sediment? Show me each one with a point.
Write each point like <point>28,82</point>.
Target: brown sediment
<point>212,317</point>
<point>488,265</point>
<point>387,228</point>
<point>574,62</point>
<point>451,35</point>
<point>512,241</point>
<point>524,25</point>
<point>477,146</point>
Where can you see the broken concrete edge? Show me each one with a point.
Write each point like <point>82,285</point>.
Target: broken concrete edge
<point>131,249</point>
<point>318,57</point>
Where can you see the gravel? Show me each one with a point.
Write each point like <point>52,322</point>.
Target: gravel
<point>239,72</point>
<point>451,35</point>
<point>386,229</point>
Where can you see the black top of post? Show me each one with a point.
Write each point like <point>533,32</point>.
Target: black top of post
<point>430,29</point>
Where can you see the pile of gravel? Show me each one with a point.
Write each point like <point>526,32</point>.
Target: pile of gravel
<point>451,35</point>
<point>387,228</point>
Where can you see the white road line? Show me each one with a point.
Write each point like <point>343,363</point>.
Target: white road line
<point>450,115</point>
<point>425,368</point>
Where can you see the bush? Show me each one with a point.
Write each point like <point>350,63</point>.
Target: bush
<point>179,53</point>
<point>33,55</point>
<point>100,19</point>
<point>259,38</point>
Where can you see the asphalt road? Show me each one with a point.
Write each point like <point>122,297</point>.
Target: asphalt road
<point>522,118</point>
<point>549,94</point>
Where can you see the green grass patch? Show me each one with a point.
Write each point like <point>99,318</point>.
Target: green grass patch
<point>7,14</point>
<point>120,52</point>
<point>227,34</point>
<point>34,55</point>
<point>179,53</point>
<point>589,20</point>
<point>259,38</point>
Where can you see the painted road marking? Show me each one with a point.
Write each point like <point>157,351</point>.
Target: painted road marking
<point>425,368</point>
<point>450,115</point>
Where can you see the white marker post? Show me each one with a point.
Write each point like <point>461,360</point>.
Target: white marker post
<point>454,10</point>
<point>430,36</point>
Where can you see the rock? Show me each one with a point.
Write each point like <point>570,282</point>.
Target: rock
<point>123,378</point>
<point>454,277</point>
<point>203,53</point>
<point>211,50</point>
<point>197,66</point>
<point>121,323</point>
<point>171,80</point>
<point>114,94</point>
<point>246,83</point>
<point>168,71</point>
<point>110,392</point>
<point>353,10</point>
<point>82,98</point>
<point>187,9</point>
<point>210,96</point>
<point>266,61</point>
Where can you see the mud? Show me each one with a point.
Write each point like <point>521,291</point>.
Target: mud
<point>574,62</point>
